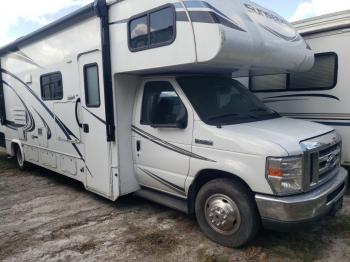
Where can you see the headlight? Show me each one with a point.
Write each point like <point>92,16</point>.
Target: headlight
<point>285,174</point>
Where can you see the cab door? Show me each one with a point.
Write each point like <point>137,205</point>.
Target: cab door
<point>93,125</point>
<point>162,135</point>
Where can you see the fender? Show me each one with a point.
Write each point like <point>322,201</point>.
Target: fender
<point>19,143</point>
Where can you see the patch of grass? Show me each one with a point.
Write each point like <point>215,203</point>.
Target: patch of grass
<point>86,247</point>
<point>294,246</point>
<point>154,242</point>
<point>202,256</point>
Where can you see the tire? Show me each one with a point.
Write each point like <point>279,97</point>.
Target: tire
<point>20,158</point>
<point>237,227</point>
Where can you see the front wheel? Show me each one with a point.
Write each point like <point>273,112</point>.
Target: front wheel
<point>226,213</point>
<point>20,158</point>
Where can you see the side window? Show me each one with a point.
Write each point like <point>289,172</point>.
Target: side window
<point>139,33</point>
<point>162,26</point>
<point>92,86</point>
<point>161,105</point>
<point>268,82</point>
<point>51,86</point>
<point>153,29</point>
<point>322,76</point>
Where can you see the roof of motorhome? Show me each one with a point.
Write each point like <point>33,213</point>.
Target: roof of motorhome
<point>70,19</point>
<point>324,23</point>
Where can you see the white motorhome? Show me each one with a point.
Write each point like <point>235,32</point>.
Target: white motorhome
<point>321,94</point>
<point>137,96</point>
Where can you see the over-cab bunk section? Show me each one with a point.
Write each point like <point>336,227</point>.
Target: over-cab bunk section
<point>216,36</point>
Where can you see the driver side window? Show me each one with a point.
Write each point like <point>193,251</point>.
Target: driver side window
<point>161,105</point>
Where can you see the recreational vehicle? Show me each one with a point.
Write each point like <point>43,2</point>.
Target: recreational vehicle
<point>321,94</point>
<point>137,97</point>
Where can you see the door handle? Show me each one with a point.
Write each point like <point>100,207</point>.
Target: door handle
<point>86,128</point>
<point>138,145</point>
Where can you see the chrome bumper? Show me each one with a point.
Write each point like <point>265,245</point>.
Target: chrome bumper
<point>304,207</point>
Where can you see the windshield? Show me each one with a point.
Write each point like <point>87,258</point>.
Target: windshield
<point>223,101</point>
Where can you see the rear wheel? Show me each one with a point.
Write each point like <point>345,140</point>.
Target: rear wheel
<point>20,158</point>
<point>226,212</point>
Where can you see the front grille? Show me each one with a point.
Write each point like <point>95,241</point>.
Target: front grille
<point>322,159</point>
<point>324,164</point>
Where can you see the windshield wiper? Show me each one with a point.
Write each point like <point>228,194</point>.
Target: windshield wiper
<point>272,113</point>
<point>230,115</point>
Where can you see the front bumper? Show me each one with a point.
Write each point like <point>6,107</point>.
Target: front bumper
<point>282,213</point>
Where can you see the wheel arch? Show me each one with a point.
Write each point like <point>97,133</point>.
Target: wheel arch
<point>204,176</point>
<point>16,143</point>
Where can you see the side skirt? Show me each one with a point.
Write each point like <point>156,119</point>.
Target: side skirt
<point>163,199</point>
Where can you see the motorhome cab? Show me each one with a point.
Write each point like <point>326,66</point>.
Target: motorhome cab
<point>131,97</point>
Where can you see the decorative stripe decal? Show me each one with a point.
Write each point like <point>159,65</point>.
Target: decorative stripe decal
<point>30,123</point>
<point>165,182</point>
<point>168,145</point>
<point>97,117</point>
<point>68,133</point>
<point>282,100</point>
<point>319,116</point>
<point>287,38</point>
<point>332,119</point>
<point>211,17</point>
<point>305,95</point>
<point>49,134</point>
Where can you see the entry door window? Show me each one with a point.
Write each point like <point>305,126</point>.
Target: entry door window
<point>92,86</point>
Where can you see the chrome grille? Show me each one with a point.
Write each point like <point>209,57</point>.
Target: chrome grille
<point>322,159</point>
<point>324,163</point>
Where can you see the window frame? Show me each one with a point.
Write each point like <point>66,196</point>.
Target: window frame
<point>85,85</point>
<point>148,14</point>
<point>41,86</point>
<point>288,89</point>
<point>143,97</point>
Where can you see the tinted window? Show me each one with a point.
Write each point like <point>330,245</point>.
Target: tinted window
<point>322,76</point>
<point>161,104</point>
<point>139,33</point>
<point>162,26</point>
<point>268,82</point>
<point>156,28</point>
<point>51,86</point>
<point>92,88</point>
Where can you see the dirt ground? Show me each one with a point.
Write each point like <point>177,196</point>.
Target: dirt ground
<point>47,217</point>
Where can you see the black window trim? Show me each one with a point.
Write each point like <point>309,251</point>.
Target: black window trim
<point>288,89</point>
<point>147,14</point>
<point>41,86</point>
<point>143,95</point>
<point>85,85</point>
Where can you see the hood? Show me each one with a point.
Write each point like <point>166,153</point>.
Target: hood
<point>275,137</point>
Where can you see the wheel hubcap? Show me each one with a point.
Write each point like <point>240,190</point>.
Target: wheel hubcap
<point>222,214</point>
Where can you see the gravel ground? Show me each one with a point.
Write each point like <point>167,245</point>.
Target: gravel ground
<point>47,217</point>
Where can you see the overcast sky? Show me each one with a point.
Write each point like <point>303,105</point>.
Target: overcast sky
<point>21,17</point>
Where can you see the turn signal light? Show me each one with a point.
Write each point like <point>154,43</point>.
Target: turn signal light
<point>275,172</point>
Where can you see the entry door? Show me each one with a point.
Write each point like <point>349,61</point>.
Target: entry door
<point>162,151</point>
<point>92,124</point>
